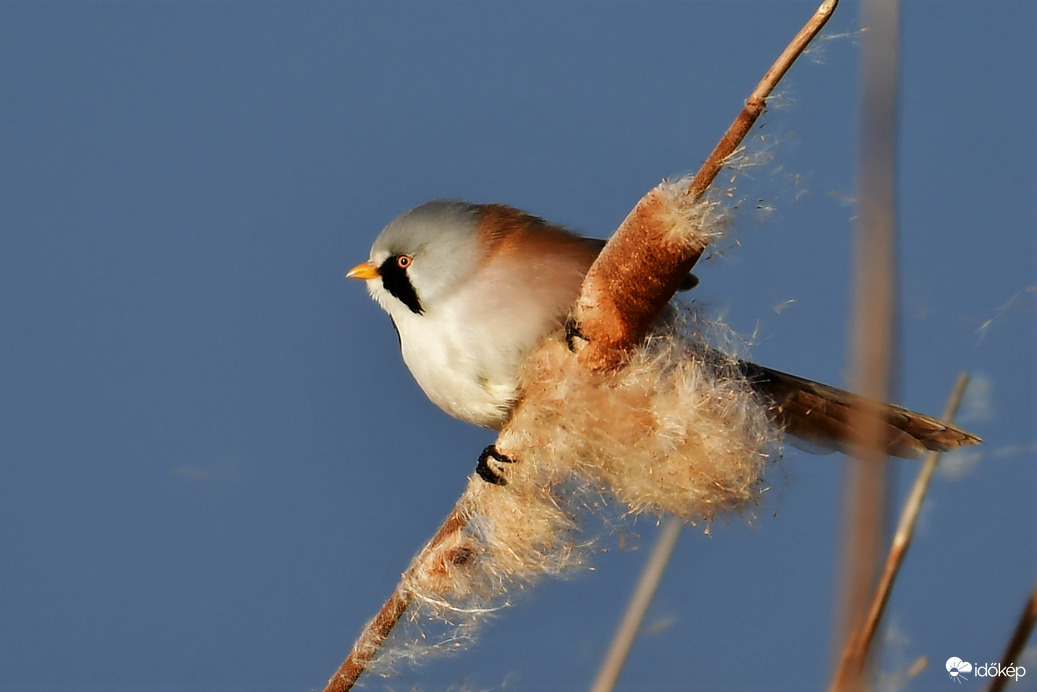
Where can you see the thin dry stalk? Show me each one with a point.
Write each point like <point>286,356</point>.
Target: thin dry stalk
<point>628,628</point>
<point>1019,638</point>
<point>634,317</point>
<point>858,646</point>
<point>378,629</point>
<point>639,270</point>
<point>874,321</point>
<point>757,101</point>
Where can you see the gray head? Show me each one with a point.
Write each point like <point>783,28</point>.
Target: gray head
<point>423,254</point>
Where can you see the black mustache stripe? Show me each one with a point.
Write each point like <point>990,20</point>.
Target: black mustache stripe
<point>397,283</point>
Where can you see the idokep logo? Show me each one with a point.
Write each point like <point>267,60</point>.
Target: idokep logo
<point>956,668</point>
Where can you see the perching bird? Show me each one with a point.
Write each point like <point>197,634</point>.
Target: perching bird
<point>473,288</point>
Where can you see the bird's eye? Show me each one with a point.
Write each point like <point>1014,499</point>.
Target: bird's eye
<point>403,261</point>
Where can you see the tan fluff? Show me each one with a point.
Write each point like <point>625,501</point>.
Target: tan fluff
<point>677,430</point>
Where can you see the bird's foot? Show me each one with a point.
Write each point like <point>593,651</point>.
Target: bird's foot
<point>483,467</point>
<point>572,333</point>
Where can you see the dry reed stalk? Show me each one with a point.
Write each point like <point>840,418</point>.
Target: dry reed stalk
<point>628,305</point>
<point>378,629</point>
<point>858,645</point>
<point>1018,640</point>
<point>644,262</point>
<point>629,626</point>
<point>874,321</point>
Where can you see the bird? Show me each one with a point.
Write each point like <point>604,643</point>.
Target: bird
<point>472,289</point>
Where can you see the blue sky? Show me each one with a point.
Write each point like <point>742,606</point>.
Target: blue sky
<point>215,463</point>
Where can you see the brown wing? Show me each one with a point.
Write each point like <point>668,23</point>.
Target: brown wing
<point>825,415</point>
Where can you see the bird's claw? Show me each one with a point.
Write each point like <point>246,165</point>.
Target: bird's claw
<point>572,333</point>
<point>483,467</point>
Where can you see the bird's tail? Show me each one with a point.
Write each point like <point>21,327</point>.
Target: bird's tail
<point>825,416</point>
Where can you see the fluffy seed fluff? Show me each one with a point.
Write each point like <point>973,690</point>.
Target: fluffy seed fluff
<point>676,431</point>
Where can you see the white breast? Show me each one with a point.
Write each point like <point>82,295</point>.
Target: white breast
<point>466,375</point>
<point>466,350</point>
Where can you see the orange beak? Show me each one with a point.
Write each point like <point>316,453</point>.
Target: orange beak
<point>364,270</point>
